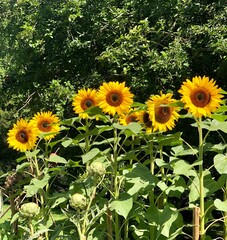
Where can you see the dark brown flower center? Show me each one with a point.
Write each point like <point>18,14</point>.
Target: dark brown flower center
<point>200,97</point>
<point>146,120</point>
<point>163,114</point>
<point>87,103</point>
<point>114,99</point>
<point>130,118</point>
<point>44,126</point>
<point>22,136</point>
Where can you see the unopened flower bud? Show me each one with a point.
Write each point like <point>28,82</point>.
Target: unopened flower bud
<point>96,169</point>
<point>78,201</point>
<point>29,210</point>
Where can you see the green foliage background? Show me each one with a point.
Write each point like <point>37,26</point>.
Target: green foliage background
<point>49,49</point>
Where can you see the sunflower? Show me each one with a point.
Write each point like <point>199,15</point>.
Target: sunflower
<point>114,97</point>
<point>22,136</point>
<point>47,123</point>
<point>144,118</point>
<point>161,114</point>
<point>130,116</point>
<point>201,96</point>
<point>84,99</point>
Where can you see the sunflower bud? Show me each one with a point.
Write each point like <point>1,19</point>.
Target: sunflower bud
<point>29,210</point>
<point>78,201</point>
<point>96,169</point>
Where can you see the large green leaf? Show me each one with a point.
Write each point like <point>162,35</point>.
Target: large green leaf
<point>35,185</point>
<point>184,150</point>
<point>139,178</point>
<point>122,205</point>
<point>90,155</point>
<point>180,167</point>
<point>222,206</point>
<point>56,159</point>
<point>220,163</point>
<point>164,220</point>
<point>210,186</point>
<point>134,127</point>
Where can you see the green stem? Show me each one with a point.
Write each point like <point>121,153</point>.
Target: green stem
<point>116,190</point>
<point>225,213</point>
<point>31,227</point>
<point>201,182</point>
<point>151,194</point>
<point>36,167</point>
<point>84,226</point>
<point>132,147</point>
<point>87,142</point>
<point>14,226</point>
<point>126,230</point>
<point>164,196</point>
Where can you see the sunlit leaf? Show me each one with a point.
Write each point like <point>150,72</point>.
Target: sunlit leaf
<point>22,166</point>
<point>220,163</point>
<point>123,205</point>
<point>90,155</point>
<point>56,159</point>
<point>140,178</point>
<point>35,185</point>
<point>222,206</point>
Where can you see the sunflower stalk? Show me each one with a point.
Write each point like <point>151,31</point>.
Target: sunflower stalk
<point>151,194</point>
<point>87,141</point>
<point>225,213</point>
<point>201,182</point>
<point>116,188</point>
<point>163,199</point>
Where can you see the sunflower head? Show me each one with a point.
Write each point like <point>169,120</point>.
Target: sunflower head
<point>144,118</point>
<point>130,116</point>
<point>22,136</point>
<point>162,114</point>
<point>201,96</point>
<point>114,97</point>
<point>47,123</point>
<point>84,99</point>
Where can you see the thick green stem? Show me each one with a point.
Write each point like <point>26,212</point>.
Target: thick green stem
<point>132,147</point>
<point>126,230</point>
<point>31,228</point>
<point>201,182</point>
<point>225,213</point>
<point>87,141</point>
<point>116,189</point>
<point>164,196</point>
<point>151,194</point>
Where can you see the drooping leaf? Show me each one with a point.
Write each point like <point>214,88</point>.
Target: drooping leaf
<point>184,150</point>
<point>35,185</point>
<point>56,159</point>
<point>163,220</point>
<point>22,166</point>
<point>122,205</point>
<point>181,167</point>
<point>220,205</point>
<point>220,163</point>
<point>90,155</point>
<point>140,178</point>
